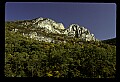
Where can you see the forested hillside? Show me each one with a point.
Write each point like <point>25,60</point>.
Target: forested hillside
<point>110,41</point>
<point>26,57</point>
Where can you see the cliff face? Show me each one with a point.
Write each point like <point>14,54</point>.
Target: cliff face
<point>49,26</point>
<point>74,30</point>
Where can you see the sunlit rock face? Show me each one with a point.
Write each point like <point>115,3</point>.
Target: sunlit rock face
<point>61,26</point>
<point>34,35</point>
<point>74,30</point>
<point>48,25</point>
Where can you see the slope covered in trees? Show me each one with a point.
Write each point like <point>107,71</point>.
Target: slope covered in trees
<point>110,41</point>
<point>25,57</point>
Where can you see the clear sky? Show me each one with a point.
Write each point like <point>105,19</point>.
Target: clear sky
<point>99,18</point>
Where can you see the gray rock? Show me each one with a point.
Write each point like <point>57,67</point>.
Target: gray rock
<point>14,30</point>
<point>50,26</point>
<point>74,30</point>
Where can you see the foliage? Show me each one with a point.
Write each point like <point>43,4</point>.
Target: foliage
<point>110,41</point>
<point>25,57</point>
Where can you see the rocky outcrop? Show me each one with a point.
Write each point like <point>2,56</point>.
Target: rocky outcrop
<point>74,30</point>
<point>50,26</point>
<point>47,24</point>
<point>14,30</point>
<point>39,37</point>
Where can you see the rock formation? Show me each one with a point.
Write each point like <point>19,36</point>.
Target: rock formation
<point>74,30</point>
<point>50,26</point>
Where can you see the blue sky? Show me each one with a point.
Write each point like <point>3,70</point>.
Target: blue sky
<point>99,18</point>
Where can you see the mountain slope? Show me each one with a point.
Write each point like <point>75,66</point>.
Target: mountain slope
<point>111,41</point>
<point>26,57</point>
<point>43,27</point>
<point>55,55</point>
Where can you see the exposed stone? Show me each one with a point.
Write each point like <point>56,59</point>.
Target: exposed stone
<point>75,30</point>
<point>14,30</point>
<point>33,35</point>
<point>50,26</point>
<point>60,26</point>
